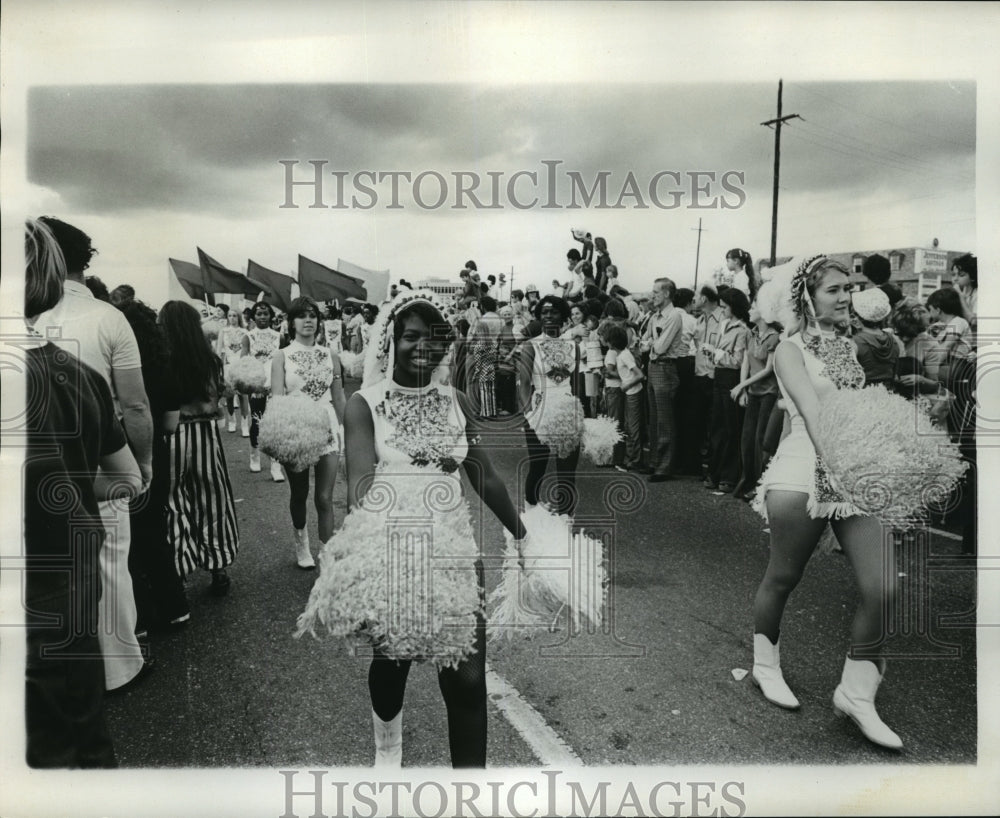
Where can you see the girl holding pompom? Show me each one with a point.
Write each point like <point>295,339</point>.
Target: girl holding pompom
<point>407,433</point>
<point>262,342</point>
<point>798,498</point>
<point>553,414</point>
<point>305,367</point>
<point>230,347</point>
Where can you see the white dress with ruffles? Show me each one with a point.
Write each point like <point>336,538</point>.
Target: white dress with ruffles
<point>310,371</point>
<point>795,466</point>
<point>401,572</point>
<point>554,413</point>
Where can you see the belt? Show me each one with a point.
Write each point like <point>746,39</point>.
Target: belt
<point>664,361</point>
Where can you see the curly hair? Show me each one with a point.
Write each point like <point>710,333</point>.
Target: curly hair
<point>909,319</point>
<point>559,303</point>
<point>76,245</point>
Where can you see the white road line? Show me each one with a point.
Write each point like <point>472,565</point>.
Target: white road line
<point>546,744</point>
<point>946,534</point>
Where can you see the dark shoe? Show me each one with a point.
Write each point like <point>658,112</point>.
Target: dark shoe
<point>220,582</point>
<point>710,484</point>
<point>645,470</point>
<point>148,666</point>
<point>660,478</point>
<point>726,488</point>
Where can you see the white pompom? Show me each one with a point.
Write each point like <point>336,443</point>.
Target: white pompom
<point>295,431</point>
<point>600,435</point>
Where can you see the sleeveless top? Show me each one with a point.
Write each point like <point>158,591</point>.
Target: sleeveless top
<point>416,426</point>
<point>263,345</point>
<point>551,372</point>
<point>831,364</point>
<point>309,371</point>
<point>231,342</point>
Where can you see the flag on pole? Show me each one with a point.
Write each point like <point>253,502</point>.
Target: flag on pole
<point>219,279</point>
<point>189,276</point>
<point>278,286</point>
<point>376,282</point>
<point>322,283</point>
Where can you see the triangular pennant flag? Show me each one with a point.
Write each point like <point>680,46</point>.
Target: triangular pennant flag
<point>190,278</point>
<point>219,279</point>
<point>322,283</point>
<point>376,282</point>
<point>277,286</point>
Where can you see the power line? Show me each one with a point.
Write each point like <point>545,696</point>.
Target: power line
<point>908,129</point>
<point>811,214</point>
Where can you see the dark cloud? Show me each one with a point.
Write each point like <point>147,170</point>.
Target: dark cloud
<point>208,148</point>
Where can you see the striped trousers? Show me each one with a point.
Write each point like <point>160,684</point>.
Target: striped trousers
<point>201,514</point>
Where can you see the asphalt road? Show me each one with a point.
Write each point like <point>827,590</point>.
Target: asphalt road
<point>654,686</point>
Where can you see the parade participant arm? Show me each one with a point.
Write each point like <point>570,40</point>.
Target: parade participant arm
<point>337,390</point>
<point>484,479</point>
<point>359,449</point>
<point>136,417</point>
<point>245,343</point>
<point>278,374</point>
<point>791,368</point>
<point>526,361</point>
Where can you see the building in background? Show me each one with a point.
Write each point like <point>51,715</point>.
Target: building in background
<point>440,286</point>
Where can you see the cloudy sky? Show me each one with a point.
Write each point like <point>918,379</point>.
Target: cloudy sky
<point>152,167</point>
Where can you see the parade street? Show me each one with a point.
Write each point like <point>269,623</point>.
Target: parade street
<point>655,686</point>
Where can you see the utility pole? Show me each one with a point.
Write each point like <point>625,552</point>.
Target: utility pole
<point>777,122</point>
<point>697,256</point>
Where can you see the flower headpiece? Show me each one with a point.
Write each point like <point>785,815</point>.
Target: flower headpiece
<point>381,352</point>
<point>801,303</point>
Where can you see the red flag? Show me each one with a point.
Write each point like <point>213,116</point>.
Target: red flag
<point>190,278</point>
<point>218,279</point>
<point>323,283</point>
<point>277,286</point>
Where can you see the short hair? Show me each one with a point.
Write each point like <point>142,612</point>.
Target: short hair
<point>440,327</point>
<point>615,308</point>
<point>98,288</point>
<point>491,277</point>
<point>668,284</point>
<point>969,265</point>
<point>471,265</point>
<point>488,303</point>
<point>516,294</point>
<point>587,270</point>
<point>559,303</point>
<point>224,308</point>
<point>683,297</point>
<point>76,246</point>
<point>616,336</point>
<point>908,318</point>
<point>123,294</point>
<point>262,305</point>
<point>299,308</point>
<point>737,302</point>
<point>893,292</point>
<point>947,300</point>
<point>709,292</point>
<point>573,255</point>
<point>876,269</point>
<point>617,290</point>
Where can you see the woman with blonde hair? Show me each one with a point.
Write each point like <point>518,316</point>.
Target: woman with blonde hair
<point>798,499</point>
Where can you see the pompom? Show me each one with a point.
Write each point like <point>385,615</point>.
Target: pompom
<point>600,435</point>
<point>295,431</point>
<point>211,329</point>
<point>400,574</point>
<point>246,375</point>
<point>774,298</point>
<point>885,455</point>
<point>563,568</point>
<point>353,364</point>
<point>559,422</point>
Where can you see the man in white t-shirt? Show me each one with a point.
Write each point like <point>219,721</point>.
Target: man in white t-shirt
<point>99,335</point>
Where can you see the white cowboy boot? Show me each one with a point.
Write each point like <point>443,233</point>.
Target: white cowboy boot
<point>254,460</point>
<point>245,427</point>
<point>303,556</point>
<point>276,474</point>
<point>855,697</point>
<point>767,673</point>
<point>388,741</point>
